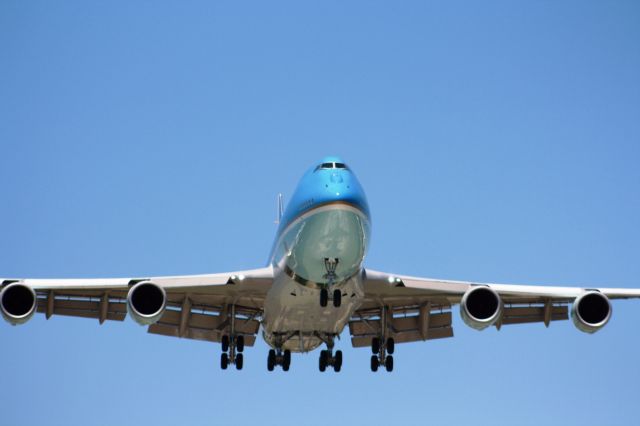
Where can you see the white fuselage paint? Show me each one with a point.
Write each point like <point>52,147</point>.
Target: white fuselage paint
<point>292,308</point>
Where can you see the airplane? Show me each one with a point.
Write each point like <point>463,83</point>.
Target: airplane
<point>314,285</point>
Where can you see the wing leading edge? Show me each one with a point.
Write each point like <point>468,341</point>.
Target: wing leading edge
<point>390,285</point>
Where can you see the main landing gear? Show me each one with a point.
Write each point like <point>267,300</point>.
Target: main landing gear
<point>382,353</point>
<point>329,359</point>
<point>330,264</point>
<point>232,347</point>
<point>279,357</point>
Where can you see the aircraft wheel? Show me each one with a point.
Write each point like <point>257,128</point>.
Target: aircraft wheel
<point>324,297</point>
<point>337,361</point>
<point>239,361</point>
<point>324,358</point>
<point>271,360</point>
<point>374,363</point>
<point>240,343</point>
<point>224,361</point>
<point>286,363</point>
<point>225,343</point>
<point>375,346</point>
<point>337,298</point>
<point>391,345</point>
<point>389,363</point>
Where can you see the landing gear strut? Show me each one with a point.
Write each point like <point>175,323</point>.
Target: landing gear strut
<point>232,346</point>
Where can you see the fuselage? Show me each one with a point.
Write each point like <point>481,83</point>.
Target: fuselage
<point>321,243</point>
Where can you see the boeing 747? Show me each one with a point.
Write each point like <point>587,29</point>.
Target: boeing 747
<point>313,287</point>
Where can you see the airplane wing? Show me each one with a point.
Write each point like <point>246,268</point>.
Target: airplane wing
<point>195,306</point>
<point>412,308</point>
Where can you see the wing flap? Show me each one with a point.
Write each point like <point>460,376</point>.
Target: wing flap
<point>413,336</point>
<point>533,313</point>
<point>209,323</point>
<point>84,313</point>
<point>407,324</point>
<point>102,307</point>
<point>196,333</point>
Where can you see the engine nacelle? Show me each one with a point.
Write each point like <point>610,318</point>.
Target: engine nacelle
<point>480,307</point>
<point>146,302</point>
<point>591,311</point>
<point>17,303</point>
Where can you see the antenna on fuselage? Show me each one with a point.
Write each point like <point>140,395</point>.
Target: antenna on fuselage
<point>280,208</point>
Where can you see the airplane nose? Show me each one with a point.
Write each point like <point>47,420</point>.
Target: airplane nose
<point>336,178</point>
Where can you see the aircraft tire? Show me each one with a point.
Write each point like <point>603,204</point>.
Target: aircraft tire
<point>271,360</point>
<point>322,364</point>
<point>337,298</point>
<point>337,361</point>
<point>286,363</point>
<point>374,363</point>
<point>239,361</point>
<point>324,297</point>
<point>224,360</point>
<point>389,363</point>
<point>391,345</point>
<point>375,346</point>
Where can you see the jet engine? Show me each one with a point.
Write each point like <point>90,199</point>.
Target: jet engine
<point>591,311</point>
<point>480,307</point>
<point>17,303</point>
<point>146,302</point>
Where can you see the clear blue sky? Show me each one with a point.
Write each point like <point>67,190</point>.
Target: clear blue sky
<point>496,141</point>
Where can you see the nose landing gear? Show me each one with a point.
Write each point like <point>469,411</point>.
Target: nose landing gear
<point>330,264</point>
<point>324,298</point>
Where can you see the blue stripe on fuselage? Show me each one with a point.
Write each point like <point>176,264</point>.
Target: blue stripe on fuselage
<point>320,186</point>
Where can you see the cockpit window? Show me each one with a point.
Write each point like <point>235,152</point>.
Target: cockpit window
<point>331,166</point>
